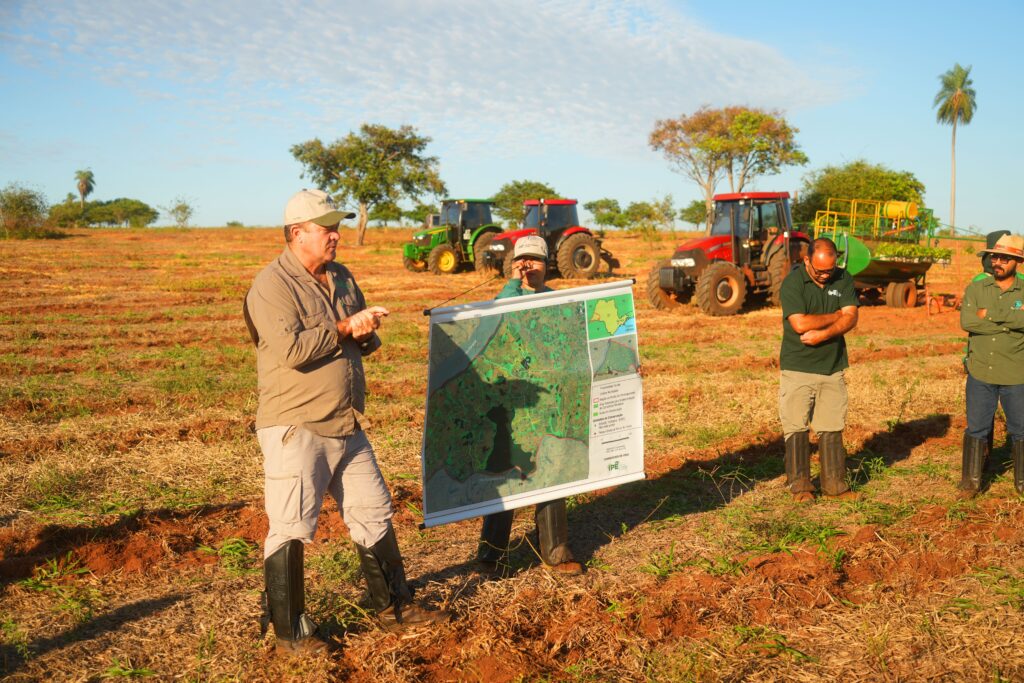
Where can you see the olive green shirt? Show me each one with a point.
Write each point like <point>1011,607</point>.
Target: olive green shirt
<point>801,294</point>
<point>307,375</point>
<point>995,343</point>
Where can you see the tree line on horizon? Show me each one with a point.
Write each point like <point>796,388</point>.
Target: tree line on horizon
<point>377,168</point>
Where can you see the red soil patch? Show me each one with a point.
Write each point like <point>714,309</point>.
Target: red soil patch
<point>160,539</point>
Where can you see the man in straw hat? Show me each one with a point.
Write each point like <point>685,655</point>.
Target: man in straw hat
<point>529,270</point>
<point>311,326</point>
<point>992,313</point>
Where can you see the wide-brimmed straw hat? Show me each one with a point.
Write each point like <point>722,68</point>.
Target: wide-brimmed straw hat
<point>1008,245</point>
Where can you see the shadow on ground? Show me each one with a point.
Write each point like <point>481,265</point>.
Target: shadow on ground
<point>12,657</point>
<point>696,486</point>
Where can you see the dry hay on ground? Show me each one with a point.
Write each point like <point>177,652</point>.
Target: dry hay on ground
<point>132,510</point>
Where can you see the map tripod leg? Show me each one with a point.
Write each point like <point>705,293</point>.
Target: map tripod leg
<point>553,532</point>
<point>494,534</point>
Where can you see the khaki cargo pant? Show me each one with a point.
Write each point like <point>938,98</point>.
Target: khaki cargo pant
<point>300,466</point>
<point>807,399</point>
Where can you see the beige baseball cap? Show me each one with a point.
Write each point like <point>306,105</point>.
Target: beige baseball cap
<point>1008,245</point>
<point>533,246</point>
<point>315,206</point>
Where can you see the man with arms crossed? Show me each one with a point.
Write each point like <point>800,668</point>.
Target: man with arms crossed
<point>819,306</point>
<point>992,315</point>
<point>312,327</point>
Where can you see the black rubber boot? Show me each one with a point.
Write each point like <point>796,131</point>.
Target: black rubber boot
<point>494,534</point>
<point>553,537</point>
<point>832,454</point>
<point>974,455</point>
<point>284,601</point>
<point>1018,467</point>
<point>797,461</point>
<point>388,593</point>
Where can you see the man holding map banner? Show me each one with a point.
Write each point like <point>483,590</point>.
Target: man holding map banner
<point>529,270</point>
<point>532,397</point>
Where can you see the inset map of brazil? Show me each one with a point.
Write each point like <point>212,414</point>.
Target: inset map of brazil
<point>611,316</point>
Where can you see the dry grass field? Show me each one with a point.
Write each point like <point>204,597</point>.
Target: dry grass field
<point>131,495</point>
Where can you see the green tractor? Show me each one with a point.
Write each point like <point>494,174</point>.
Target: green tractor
<point>460,236</point>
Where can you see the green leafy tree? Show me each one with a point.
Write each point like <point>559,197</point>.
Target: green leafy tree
<point>86,182</point>
<point>180,210</point>
<point>695,212</point>
<point>855,180</point>
<point>738,143</point>
<point>22,211</point>
<point>956,103</point>
<point>385,212</point>
<point>68,213</point>
<point>418,214</point>
<point>132,213</point>
<point>647,218</point>
<point>508,201</point>
<point>606,212</point>
<point>375,166</point>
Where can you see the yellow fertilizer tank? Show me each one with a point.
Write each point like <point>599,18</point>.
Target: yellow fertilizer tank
<point>898,210</point>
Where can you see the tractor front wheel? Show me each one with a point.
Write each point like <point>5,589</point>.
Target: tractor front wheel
<point>443,260</point>
<point>579,256</point>
<point>662,299</point>
<point>721,289</point>
<point>414,265</point>
<point>506,266</point>
<point>480,263</point>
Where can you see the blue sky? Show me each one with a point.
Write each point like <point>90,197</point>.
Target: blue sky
<point>204,99</point>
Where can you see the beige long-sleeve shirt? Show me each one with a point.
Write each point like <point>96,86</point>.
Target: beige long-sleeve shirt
<point>307,375</point>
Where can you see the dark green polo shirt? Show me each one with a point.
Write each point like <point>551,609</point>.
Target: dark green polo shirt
<point>995,347</point>
<point>800,294</point>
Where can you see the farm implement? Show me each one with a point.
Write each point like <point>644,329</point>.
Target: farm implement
<point>888,247</point>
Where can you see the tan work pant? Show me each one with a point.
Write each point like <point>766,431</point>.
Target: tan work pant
<point>807,399</point>
<point>300,466</point>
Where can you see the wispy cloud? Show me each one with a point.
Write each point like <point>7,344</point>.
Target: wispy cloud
<point>497,76</point>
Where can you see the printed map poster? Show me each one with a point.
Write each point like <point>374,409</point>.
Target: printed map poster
<point>530,399</point>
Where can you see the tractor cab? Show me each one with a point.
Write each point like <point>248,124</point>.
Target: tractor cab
<point>462,218</point>
<point>747,224</point>
<point>548,216</point>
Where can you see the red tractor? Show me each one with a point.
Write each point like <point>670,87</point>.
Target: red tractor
<point>573,250</point>
<point>749,249</point>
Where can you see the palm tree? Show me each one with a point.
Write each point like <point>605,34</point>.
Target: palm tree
<point>955,101</point>
<point>86,183</point>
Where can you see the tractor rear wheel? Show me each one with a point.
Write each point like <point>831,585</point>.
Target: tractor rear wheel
<point>443,260</point>
<point>777,271</point>
<point>662,299</point>
<point>416,266</point>
<point>479,250</point>
<point>721,289</point>
<point>579,256</point>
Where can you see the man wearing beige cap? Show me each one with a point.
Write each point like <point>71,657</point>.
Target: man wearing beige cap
<point>992,313</point>
<point>529,270</point>
<point>311,326</point>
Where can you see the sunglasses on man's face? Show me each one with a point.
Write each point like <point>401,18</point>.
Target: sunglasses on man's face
<point>822,272</point>
<point>1001,257</point>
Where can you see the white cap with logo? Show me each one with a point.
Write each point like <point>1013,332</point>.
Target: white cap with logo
<point>533,246</point>
<point>315,206</point>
